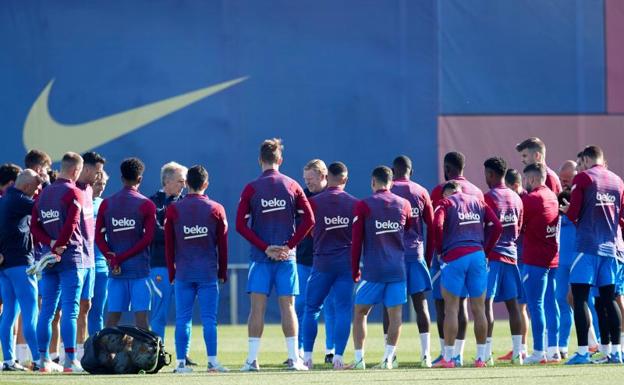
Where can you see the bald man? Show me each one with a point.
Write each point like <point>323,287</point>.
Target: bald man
<point>567,171</point>
<point>18,288</point>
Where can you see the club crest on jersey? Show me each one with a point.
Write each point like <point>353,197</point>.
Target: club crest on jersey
<point>551,231</point>
<point>196,231</point>
<point>509,219</point>
<point>387,227</point>
<point>50,216</point>
<point>468,218</point>
<point>123,224</point>
<point>605,199</point>
<point>338,222</point>
<point>273,205</point>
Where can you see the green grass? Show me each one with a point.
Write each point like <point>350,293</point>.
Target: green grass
<point>233,348</point>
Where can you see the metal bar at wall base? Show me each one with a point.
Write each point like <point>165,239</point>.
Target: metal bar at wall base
<point>234,296</point>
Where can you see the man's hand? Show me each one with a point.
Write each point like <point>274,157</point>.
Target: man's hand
<point>1,259</point>
<point>277,253</point>
<point>356,276</point>
<point>60,250</point>
<point>565,206</point>
<point>221,281</point>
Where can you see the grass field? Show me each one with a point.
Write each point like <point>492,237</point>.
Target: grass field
<point>233,347</point>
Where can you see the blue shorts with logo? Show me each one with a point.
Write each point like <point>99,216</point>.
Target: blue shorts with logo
<point>418,278</point>
<point>504,282</point>
<point>468,272</point>
<point>387,293</point>
<point>89,284</point>
<point>263,276</point>
<point>593,270</point>
<point>436,278</point>
<point>129,294</point>
<point>619,277</point>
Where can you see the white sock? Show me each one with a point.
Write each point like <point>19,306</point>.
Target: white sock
<point>545,338</point>
<point>481,352</point>
<point>425,345</point>
<point>605,349</point>
<point>212,360</point>
<point>516,343</point>
<point>538,353</point>
<point>79,351</point>
<point>389,354</point>
<point>449,353</point>
<point>181,363</point>
<point>591,336</point>
<point>525,349</point>
<point>488,348</point>
<point>54,356</point>
<point>337,358</point>
<point>291,346</point>
<point>563,349</point>
<point>616,348</point>
<point>552,351</point>
<point>359,355</point>
<point>622,340</point>
<point>330,351</point>
<point>62,352</point>
<point>441,346</point>
<point>22,353</point>
<point>583,349</point>
<point>385,339</point>
<point>307,356</point>
<point>254,347</point>
<point>459,347</point>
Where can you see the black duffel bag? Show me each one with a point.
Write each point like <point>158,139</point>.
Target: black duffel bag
<point>124,350</point>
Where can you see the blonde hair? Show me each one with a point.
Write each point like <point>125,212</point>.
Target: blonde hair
<point>316,165</point>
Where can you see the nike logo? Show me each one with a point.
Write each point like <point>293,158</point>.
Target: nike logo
<point>43,132</point>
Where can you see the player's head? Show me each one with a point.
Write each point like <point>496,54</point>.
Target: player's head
<point>38,161</point>
<point>100,185</point>
<point>454,163</point>
<point>513,180</point>
<point>52,175</point>
<point>494,169</point>
<point>271,153</point>
<point>532,150</point>
<point>381,178</point>
<point>71,166</point>
<point>567,171</point>
<point>93,167</point>
<point>315,175</point>
<point>197,179</point>
<point>173,178</point>
<point>592,155</point>
<point>28,182</point>
<point>132,172</point>
<point>402,167</point>
<point>534,176</point>
<point>580,164</point>
<point>450,188</point>
<point>8,175</point>
<point>337,175</point>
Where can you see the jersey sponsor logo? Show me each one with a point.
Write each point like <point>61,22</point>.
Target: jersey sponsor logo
<point>387,227</point>
<point>123,224</point>
<point>273,205</point>
<point>415,212</point>
<point>468,218</point>
<point>41,130</point>
<point>605,199</point>
<point>50,216</point>
<point>338,222</point>
<point>551,231</point>
<point>196,231</point>
<point>509,219</point>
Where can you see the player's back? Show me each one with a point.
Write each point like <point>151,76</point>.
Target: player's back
<point>123,219</point>
<point>463,222</point>
<point>418,197</point>
<point>541,225</point>
<point>466,186</point>
<point>600,212</point>
<point>196,221</point>
<point>333,211</point>
<point>507,206</point>
<point>272,201</point>
<point>383,253</point>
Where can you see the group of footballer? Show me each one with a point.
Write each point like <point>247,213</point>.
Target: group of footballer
<point>549,246</point>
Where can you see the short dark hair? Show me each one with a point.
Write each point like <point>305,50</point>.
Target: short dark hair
<point>497,165</point>
<point>534,144</point>
<point>451,185</point>
<point>401,165</point>
<point>36,158</point>
<point>536,168</point>
<point>196,176</point>
<point>337,169</point>
<point>382,175</point>
<point>579,155</point>
<point>132,169</point>
<point>512,176</point>
<point>92,158</point>
<point>592,152</point>
<point>271,150</point>
<point>53,175</point>
<point>8,173</point>
<point>455,161</point>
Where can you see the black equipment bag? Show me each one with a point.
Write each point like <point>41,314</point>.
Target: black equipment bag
<point>124,350</point>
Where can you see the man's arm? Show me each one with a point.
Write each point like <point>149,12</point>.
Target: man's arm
<point>579,184</point>
<point>36,228</point>
<point>242,214</point>
<point>100,230</point>
<point>73,200</point>
<point>169,235</point>
<point>438,227</point>
<point>307,218</point>
<point>357,237</point>
<point>491,220</point>
<point>148,209</point>
<point>428,218</point>
<point>222,243</point>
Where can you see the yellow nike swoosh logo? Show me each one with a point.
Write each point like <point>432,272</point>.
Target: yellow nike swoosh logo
<point>43,132</point>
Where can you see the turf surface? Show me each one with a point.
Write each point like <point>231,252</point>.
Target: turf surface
<point>233,347</point>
